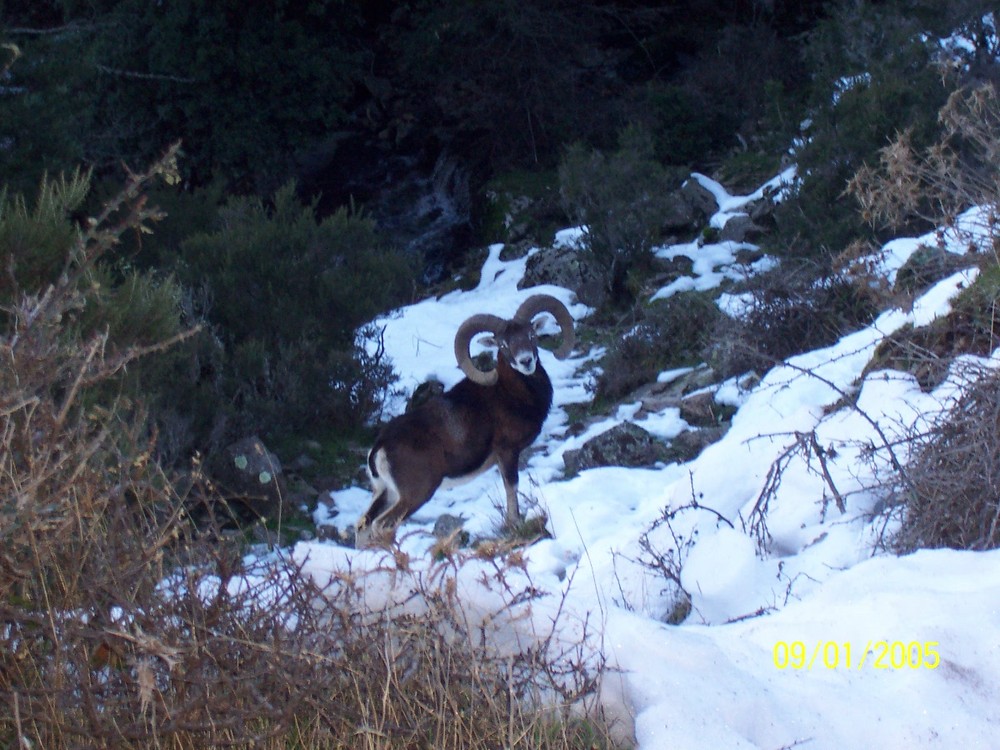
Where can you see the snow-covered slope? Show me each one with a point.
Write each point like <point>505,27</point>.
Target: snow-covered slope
<point>828,644</point>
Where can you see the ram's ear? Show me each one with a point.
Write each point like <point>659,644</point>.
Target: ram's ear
<point>489,341</point>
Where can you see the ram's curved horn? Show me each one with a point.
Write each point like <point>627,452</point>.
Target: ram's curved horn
<point>539,303</point>
<point>463,338</point>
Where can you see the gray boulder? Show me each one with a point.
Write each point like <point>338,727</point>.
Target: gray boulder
<point>690,443</point>
<point>626,444</point>
<point>740,228</point>
<point>700,198</point>
<point>569,268</point>
<point>680,213</point>
<point>249,475</point>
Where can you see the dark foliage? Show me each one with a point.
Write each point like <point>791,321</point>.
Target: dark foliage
<point>876,73</point>
<point>619,196</point>
<point>285,296</point>
<point>246,86</point>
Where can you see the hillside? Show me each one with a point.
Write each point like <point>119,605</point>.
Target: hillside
<point>801,627</point>
<point>762,510</point>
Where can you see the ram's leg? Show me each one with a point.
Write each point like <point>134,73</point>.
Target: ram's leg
<point>508,472</point>
<point>366,526</point>
<point>393,502</point>
<point>385,497</point>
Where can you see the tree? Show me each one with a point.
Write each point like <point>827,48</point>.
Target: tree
<point>247,87</point>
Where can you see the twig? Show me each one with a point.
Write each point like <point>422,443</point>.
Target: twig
<point>144,76</point>
<point>821,455</point>
<point>887,444</point>
<point>96,345</point>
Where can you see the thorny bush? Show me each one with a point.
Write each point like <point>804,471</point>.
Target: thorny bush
<point>948,495</point>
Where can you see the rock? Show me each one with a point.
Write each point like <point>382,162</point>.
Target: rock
<point>448,525</point>
<point>689,444</point>
<point>739,228</point>
<point>302,463</point>
<point>249,475</point>
<point>626,444</point>
<point>655,397</point>
<point>302,497</point>
<point>673,268</point>
<point>700,410</point>
<point>523,213</point>
<point>925,267</point>
<point>748,256</point>
<point>680,212</point>
<point>569,268</point>
<point>700,198</point>
<point>761,211</point>
<point>516,217</point>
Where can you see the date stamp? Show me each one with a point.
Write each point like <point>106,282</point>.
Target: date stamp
<point>846,655</point>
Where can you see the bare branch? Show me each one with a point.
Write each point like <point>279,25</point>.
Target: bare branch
<point>144,76</point>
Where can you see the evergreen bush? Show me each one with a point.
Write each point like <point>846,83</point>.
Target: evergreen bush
<point>44,249</point>
<point>620,198</point>
<point>124,627</point>
<point>875,76</point>
<point>285,296</point>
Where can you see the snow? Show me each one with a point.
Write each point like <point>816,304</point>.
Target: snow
<point>715,262</point>
<point>761,660</point>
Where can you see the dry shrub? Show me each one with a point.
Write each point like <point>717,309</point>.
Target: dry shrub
<point>959,171</point>
<point>791,311</point>
<point>121,626</point>
<point>951,488</point>
<point>948,492</point>
<point>219,654</point>
<point>428,671</point>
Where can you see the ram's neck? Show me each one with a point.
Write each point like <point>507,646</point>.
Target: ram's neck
<point>534,391</point>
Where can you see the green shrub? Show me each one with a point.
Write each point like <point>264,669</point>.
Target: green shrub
<point>35,241</point>
<point>620,197</point>
<point>45,105</point>
<point>123,627</point>
<point>248,86</point>
<point>874,78</point>
<point>683,126</point>
<point>43,249</point>
<point>521,205</point>
<point>285,295</point>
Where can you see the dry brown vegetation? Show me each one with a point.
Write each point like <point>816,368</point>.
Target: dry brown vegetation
<point>946,495</point>
<point>122,625</point>
<point>952,481</point>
